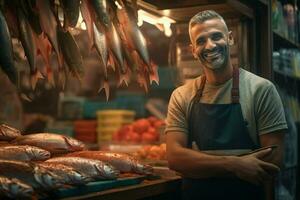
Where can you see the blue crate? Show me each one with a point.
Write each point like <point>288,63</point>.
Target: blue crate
<point>132,101</point>
<point>91,107</point>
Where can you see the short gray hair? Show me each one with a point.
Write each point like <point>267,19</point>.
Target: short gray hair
<point>203,16</point>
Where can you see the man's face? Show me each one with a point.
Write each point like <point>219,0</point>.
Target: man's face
<point>210,42</point>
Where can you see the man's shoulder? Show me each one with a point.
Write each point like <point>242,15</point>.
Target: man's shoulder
<point>187,90</point>
<point>254,81</point>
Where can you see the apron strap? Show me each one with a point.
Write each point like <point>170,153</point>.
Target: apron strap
<point>235,94</point>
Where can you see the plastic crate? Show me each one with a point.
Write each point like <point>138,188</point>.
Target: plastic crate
<point>91,107</point>
<point>132,101</point>
<point>115,115</point>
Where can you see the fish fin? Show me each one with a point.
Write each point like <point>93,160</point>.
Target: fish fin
<point>111,62</point>
<point>142,81</point>
<point>50,77</point>
<point>34,78</point>
<point>104,85</point>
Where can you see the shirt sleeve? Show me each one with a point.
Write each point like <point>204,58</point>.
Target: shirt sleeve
<point>269,113</point>
<point>176,117</point>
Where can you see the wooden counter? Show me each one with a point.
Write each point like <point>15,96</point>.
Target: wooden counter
<point>165,188</point>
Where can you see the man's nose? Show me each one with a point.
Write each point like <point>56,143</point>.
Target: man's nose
<point>210,44</point>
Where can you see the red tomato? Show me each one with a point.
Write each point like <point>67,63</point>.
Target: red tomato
<point>159,123</point>
<point>141,125</point>
<point>152,120</point>
<point>134,137</point>
<point>148,137</point>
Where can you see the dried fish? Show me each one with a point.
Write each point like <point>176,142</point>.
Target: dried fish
<point>23,153</point>
<point>6,53</point>
<point>31,174</point>
<point>68,174</point>
<point>96,169</point>
<point>54,143</point>
<point>122,162</point>
<point>14,188</point>
<point>8,133</point>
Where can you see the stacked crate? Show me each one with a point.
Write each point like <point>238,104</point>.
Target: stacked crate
<point>109,121</point>
<point>85,130</point>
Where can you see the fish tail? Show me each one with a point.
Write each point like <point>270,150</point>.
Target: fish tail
<point>111,62</point>
<point>34,78</point>
<point>104,85</point>
<point>50,77</point>
<point>153,74</point>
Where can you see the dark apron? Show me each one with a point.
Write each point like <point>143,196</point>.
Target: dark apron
<point>219,127</point>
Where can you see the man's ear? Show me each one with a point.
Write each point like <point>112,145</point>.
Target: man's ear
<point>193,51</point>
<point>230,38</point>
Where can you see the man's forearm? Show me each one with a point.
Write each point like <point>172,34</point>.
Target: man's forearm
<point>194,164</point>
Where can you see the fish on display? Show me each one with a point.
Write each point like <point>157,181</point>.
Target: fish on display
<point>96,169</point>
<point>68,174</point>
<point>23,153</point>
<point>54,143</point>
<point>86,12</point>
<point>122,162</point>
<point>29,173</point>
<point>101,14</point>
<point>8,133</point>
<point>71,12</point>
<point>71,53</point>
<point>14,188</point>
<point>6,52</point>
<point>29,46</point>
<point>30,10</point>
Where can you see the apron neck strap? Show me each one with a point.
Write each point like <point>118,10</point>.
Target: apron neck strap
<point>235,95</point>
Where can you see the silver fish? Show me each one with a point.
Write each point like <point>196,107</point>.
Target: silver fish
<point>122,162</point>
<point>68,174</point>
<point>8,133</point>
<point>96,169</point>
<point>33,175</point>
<point>14,188</point>
<point>23,153</point>
<point>54,143</point>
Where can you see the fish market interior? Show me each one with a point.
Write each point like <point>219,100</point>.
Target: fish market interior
<point>99,99</point>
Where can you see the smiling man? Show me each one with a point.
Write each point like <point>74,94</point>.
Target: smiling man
<point>219,116</point>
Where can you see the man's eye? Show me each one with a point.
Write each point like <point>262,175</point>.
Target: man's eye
<point>200,41</point>
<point>217,36</point>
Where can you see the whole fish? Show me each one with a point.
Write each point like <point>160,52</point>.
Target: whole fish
<point>29,45</point>
<point>54,143</point>
<point>48,24</point>
<point>101,13</point>
<point>96,169</point>
<point>23,153</point>
<point>6,52</point>
<point>115,47</point>
<point>68,174</point>
<point>8,133</point>
<point>14,188</point>
<point>133,34</point>
<point>29,173</point>
<point>71,12</point>
<point>30,10</point>
<point>71,53</point>
<point>122,162</point>
<point>88,18</point>
<point>101,47</point>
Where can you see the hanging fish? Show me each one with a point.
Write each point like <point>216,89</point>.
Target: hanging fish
<point>30,10</point>
<point>44,49</point>
<point>133,34</point>
<point>122,162</point>
<point>6,52</point>
<point>96,169</point>
<point>54,143</point>
<point>101,14</point>
<point>23,153</point>
<point>29,46</point>
<point>86,12</point>
<point>15,189</point>
<point>29,173</point>
<point>71,12</point>
<point>8,133</point>
<point>68,174</point>
<point>71,53</point>
<point>48,24</point>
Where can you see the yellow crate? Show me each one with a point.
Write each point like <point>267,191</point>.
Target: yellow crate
<point>115,115</point>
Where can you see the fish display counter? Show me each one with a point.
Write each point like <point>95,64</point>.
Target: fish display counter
<point>52,166</point>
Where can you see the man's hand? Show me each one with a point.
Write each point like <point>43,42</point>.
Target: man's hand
<point>251,168</point>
